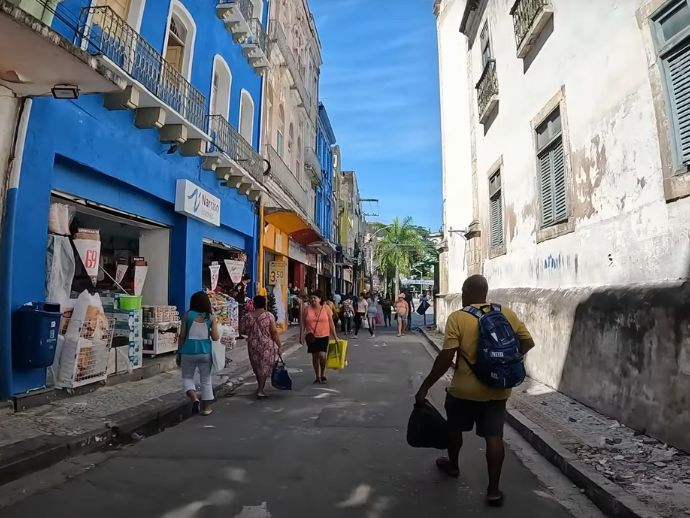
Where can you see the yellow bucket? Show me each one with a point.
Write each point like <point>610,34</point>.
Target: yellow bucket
<point>337,354</point>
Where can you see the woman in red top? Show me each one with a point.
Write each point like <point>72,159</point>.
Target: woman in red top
<point>316,328</point>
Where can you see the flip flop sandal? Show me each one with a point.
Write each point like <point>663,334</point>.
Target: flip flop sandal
<point>196,407</point>
<point>495,500</point>
<point>444,465</point>
<point>317,382</point>
<point>324,379</point>
<point>206,413</point>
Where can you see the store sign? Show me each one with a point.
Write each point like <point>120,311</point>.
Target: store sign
<point>235,270</point>
<point>311,260</point>
<point>193,201</point>
<point>298,252</point>
<point>277,273</point>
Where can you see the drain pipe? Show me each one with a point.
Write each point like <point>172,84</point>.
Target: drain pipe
<point>7,247</point>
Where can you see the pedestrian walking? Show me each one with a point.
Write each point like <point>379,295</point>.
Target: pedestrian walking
<point>410,307</point>
<point>348,313</point>
<point>387,308</point>
<point>360,311</point>
<point>194,350</point>
<point>316,329</point>
<point>263,342</point>
<point>372,313</point>
<point>401,309</point>
<point>469,401</point>
<point>334,310</point>
<point>423,305</point>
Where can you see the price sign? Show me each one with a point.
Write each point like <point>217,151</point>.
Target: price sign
<point>277,273</point>
<point>215,272</point>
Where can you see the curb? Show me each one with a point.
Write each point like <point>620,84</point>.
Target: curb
<point>149,418</point>
<point>608,496</point>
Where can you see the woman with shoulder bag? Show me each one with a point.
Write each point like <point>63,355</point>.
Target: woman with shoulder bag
<point>263,342</point>
<point>198,329</point>
<point>316,329</point>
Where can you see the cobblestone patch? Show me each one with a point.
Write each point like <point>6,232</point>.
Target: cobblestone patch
<point>655,473</point>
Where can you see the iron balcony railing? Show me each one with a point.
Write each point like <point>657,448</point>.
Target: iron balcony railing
<point>524,13</point>
<point>245,7</point>
<point>258,36</point>
<point>487,86</point>
<point>226,139</point>
<point>290,184</point>
<point>108,34</point>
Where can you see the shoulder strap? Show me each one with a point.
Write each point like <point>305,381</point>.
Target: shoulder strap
<point>473,311</point>
<point>496,307</point>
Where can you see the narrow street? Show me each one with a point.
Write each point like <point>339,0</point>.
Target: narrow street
<point>318,451</point>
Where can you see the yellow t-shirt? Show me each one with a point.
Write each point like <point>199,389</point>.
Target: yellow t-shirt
<point>462,332</point>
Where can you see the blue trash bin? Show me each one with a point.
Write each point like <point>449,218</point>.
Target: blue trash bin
<point>35,334</point>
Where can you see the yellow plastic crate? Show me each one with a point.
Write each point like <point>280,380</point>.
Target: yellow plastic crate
<point>337,354</point>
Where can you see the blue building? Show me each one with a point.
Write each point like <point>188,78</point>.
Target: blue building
<point>166,169</point>
<point>325,201</point>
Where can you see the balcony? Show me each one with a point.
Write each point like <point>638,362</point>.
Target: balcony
<point>161,97</point>
<point>312,165</point>
<point>290,185</point>
<point>487,92</point>
<point>529,19</point>
<point>254,47</point>
<point>298,87</point>
<point>237,15</point>
<point>233,159</point>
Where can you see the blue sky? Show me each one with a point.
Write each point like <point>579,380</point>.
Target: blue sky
<point>379,82</point>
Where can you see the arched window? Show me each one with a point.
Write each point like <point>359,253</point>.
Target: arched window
<point>281,130</point>
<point>179,45</point>
<point>220,88</point>
<point>298,162</point>
<point>291,139</point>
<point>247,116</point>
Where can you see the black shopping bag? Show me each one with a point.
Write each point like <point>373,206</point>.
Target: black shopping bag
<point>427,428</point>
<point>280,379</point>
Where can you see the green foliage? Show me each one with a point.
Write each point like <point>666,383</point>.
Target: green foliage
<point>271,304</point>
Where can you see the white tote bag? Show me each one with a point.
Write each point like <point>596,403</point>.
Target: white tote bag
<point>218,355</point>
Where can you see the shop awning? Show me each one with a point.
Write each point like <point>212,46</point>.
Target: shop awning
<point>293,224</point>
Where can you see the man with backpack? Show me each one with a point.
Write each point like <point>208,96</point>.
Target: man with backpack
<point>489,342</point>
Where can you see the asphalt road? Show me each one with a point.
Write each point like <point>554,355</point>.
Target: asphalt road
<point>317,451</point>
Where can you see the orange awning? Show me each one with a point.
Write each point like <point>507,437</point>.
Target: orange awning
<point>294,225</point>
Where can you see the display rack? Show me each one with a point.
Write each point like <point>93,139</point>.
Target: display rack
<point>161,337</point>
<point>89,361</point>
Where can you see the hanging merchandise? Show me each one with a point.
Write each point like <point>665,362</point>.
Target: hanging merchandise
<point>235,270</point>
<point>140,270</point>
<point>215,273</point>
<point>120,270</point>
<point>60,267</point>
<point>88,243</point>
<point>280,304</point>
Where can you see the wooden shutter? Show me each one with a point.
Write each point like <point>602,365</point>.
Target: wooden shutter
<point>560,204</point>
<point>546,188</point>
<point>678,66</point>
<point>496,220</point>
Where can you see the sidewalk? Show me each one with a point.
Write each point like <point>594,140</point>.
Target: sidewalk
<point>111,415</point>
<point>624,472</point>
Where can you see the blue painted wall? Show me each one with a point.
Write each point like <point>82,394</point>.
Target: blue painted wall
<point>82,148</point>
<point>325,140</point>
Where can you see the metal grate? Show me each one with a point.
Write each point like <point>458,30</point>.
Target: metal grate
<point>258,36</point>
<point>487,86</point>
<point>227,139</point>
<point>107,34</point>
<point>91,351</point>
<point>244,6</point>
<point>524,13</point>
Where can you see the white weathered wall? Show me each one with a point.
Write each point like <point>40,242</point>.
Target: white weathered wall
<point>455,134</point>
<point>8,122</point>
<point>625,232</point>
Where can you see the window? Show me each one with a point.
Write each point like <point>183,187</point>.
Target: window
<point>495,210</point>
<point>672,29</point>
<point>179,45</point>
<point>220,88</point>
<point>247,117</point>
<point>280,134</point>
<point>485,44</point>
<point>551,170</point>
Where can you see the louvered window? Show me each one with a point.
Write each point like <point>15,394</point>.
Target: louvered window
<point>553,198</point>
<point>672,25</point>
<point>496,209</point>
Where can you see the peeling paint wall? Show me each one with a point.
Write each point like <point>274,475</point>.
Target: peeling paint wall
<point>9,106</point>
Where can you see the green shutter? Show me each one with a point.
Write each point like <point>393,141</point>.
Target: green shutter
<point>560,204</point>
<point>496,221</point>
<point>546,188</point>
<point>679,78</point>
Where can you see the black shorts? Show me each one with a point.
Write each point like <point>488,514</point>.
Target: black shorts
<point>319,345</point>
<point>463,414</point>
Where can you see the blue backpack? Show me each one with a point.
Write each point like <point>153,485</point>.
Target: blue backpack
<point>499,360</point>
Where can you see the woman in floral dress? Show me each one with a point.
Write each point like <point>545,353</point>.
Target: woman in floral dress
<point>263,342</point>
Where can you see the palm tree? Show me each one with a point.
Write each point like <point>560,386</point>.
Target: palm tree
<point>395,250</point>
